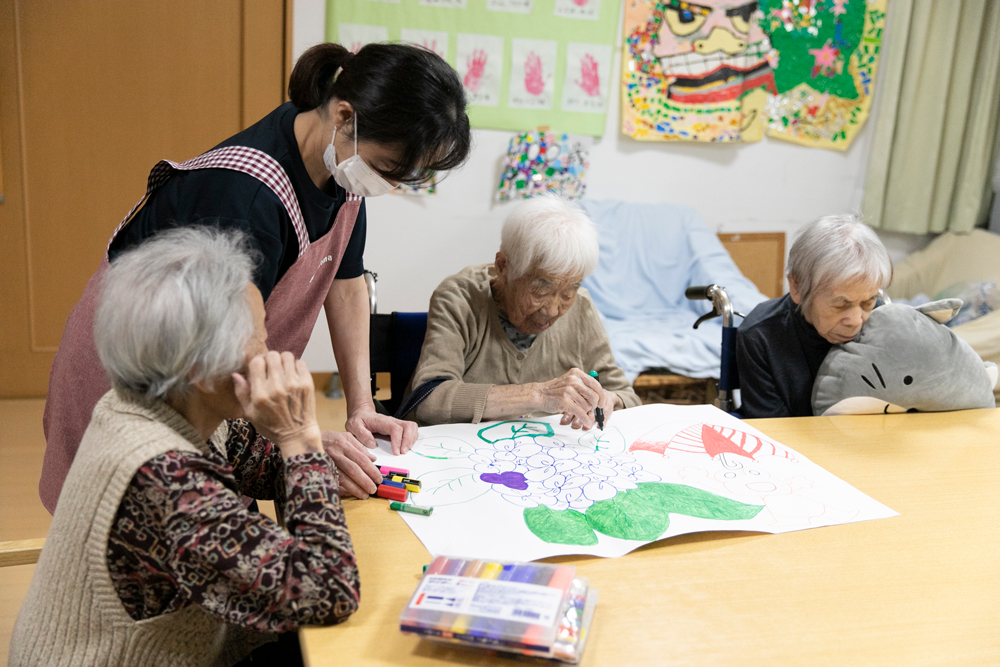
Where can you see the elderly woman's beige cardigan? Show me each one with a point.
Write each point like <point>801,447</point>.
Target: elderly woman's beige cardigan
<point>72,614</point>
<point>466,342</point>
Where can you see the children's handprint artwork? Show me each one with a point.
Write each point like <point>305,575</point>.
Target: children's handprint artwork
<point>510,55</point>
<point>585,86</point>
<point>432,40</point>
<point>529,489</point>
<point>534,81</point>
<point>578,9</point>
<point>451,4</point>
<point>590,77</point>
<point>354,36</point>
<point>476,64</point>
<point>513,6</point>
<point>479,60</point>
<point>532,78</point>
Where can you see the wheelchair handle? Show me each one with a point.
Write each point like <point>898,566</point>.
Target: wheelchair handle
<point>721,305</point>
<point>699,292</point>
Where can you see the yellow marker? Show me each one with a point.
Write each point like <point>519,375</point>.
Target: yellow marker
<point>411,485</point>
<point>491,571</point>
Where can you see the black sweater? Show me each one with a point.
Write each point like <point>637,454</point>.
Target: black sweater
<point>778,354</point>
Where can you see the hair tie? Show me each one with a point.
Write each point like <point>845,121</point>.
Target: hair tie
<point>336,74</point>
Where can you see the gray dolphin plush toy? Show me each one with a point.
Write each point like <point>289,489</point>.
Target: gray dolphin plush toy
<point>904,360</point>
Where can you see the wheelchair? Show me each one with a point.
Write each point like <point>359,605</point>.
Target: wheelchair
<point>729,377</point>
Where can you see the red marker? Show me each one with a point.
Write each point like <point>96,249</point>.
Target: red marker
<point>391,491</point>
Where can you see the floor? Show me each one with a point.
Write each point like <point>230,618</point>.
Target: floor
<point>22,447</point>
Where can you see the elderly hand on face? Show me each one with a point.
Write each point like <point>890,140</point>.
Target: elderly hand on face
<point>278,399</point>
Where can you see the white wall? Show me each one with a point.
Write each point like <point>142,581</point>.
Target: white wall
<point>415,242</point>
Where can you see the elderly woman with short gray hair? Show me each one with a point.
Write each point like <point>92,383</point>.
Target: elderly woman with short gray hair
<point>520,336</point>
<point>152,558</point>
<point>836,268</point>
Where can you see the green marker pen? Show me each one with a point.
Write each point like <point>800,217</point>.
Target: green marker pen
<point>598,412</point>
<point>412,509</point>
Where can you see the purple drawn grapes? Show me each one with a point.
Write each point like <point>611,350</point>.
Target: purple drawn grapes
<point>510,479</point>
<point>534,471</point>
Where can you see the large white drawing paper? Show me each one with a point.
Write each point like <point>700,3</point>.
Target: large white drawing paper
<point>530,489</point>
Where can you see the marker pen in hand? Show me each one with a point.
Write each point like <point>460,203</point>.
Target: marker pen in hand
<point>598,411</point>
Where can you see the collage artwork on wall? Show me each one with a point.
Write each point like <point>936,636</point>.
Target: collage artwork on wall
<point>706,71</point>
<point>800,70</point>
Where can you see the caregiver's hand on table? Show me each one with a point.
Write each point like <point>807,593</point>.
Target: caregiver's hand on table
<point>366,422</point>
<point>359,477</point>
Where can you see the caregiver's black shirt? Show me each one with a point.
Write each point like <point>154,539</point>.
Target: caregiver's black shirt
<point>228,199</point>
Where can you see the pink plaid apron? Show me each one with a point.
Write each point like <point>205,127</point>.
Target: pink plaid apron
<point>78,380</point>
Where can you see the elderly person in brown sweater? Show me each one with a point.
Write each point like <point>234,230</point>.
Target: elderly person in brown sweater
<point>520,336</point>
<point>152,558</point>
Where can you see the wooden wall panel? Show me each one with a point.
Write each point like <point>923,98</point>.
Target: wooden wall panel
<point>92,95</point>
<point>761,258</point>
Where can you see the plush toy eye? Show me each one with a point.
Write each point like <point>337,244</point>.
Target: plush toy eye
<point>908,379</point>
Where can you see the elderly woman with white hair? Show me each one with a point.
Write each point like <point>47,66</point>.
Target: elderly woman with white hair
<point>836,268</point>
<point>151,558</point>
<point>520,336</point>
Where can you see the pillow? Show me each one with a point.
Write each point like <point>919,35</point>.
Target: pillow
<point>904,360</point>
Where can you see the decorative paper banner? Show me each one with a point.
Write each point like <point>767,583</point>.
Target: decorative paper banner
<point>524,490</point>
<point>694,72</point>
<point>828,54</point>
<point>519,59</point>
<point>543,162</point>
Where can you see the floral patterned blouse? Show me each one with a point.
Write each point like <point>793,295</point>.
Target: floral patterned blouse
<point>182,536</point>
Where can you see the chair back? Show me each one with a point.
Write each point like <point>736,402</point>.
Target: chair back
<point>394,347</point>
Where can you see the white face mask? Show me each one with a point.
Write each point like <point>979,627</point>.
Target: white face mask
<point>354,174</point>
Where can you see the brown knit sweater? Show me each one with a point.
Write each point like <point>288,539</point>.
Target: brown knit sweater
<point>466,341</point>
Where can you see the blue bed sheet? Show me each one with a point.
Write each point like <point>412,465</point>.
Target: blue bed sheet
<point>651,253</point>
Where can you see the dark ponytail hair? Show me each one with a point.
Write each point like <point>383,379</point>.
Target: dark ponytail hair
<point>402,95</point>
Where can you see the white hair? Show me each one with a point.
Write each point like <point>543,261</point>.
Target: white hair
<point>173,312</point>
<point>837,249</point>
<point>549,234</point>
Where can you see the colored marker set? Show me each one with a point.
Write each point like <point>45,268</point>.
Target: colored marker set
<point>535,609</point>
<point>396,483</point>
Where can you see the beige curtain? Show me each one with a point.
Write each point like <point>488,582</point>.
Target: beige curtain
<point>936,128</point>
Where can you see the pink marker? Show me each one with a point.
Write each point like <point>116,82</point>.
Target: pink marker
<point>387,471</point>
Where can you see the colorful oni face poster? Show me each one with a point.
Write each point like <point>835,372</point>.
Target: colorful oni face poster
<point>827,53</point>
<point>695,72</point>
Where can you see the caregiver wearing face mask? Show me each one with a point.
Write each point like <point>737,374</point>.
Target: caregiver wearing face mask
<point>357,125</point>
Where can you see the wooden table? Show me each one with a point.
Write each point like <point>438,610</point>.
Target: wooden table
<point>922,588</point>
